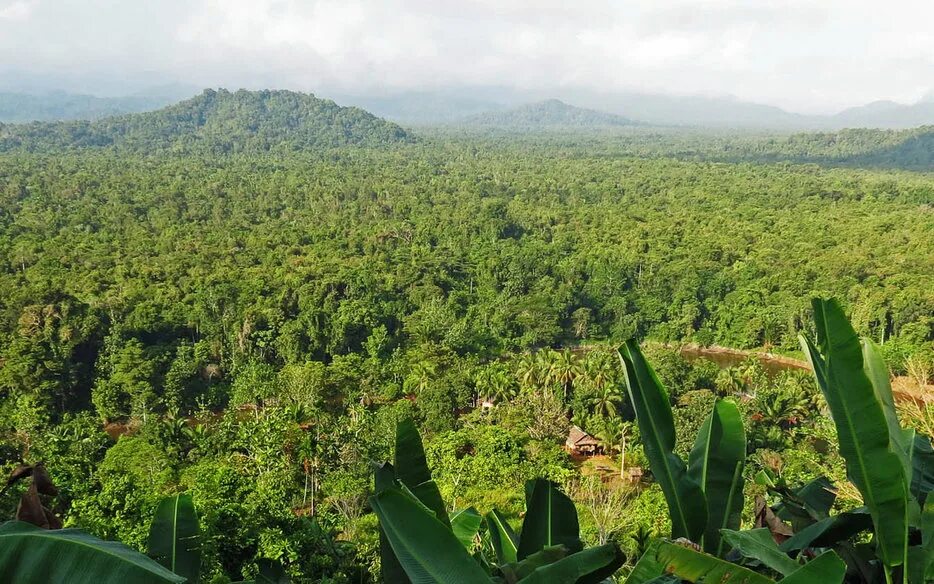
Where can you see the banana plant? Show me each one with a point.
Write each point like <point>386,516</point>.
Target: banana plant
<point>893,469</point>
<point>704,495</point>
<point>852,376</point>
<point>174,537</point>
<point>420,543</point>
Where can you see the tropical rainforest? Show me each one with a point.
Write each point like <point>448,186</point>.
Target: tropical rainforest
<point>225,316</point>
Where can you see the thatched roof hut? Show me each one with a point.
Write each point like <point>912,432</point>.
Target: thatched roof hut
<point>580,442</point>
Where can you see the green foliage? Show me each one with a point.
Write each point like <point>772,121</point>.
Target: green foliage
<point>29,554</point>
<point>173,537</point>
<point>419,540</point>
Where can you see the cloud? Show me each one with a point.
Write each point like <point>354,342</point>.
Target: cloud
<point>802,54</point>
<point>17,11</point>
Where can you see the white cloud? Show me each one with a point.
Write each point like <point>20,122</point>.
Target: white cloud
<point>802,54</point>
<point>17,11</point>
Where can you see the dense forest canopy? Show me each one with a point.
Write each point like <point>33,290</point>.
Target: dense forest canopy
<point>249,290</point>
<point>215,122</point>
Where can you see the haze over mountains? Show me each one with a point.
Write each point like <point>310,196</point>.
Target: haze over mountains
<point>490,106</point>
<point>220,122</point>
<point>551,113</point>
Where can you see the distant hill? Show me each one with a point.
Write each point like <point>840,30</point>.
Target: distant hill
<point>550,113</point>
<point>60,106</point>
<point>886,114</point>
<point>216,122</point>
<point>423,108</point>
<point>862,147</point>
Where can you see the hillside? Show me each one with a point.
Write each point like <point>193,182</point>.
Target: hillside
<point>216,122</point>
<point>887,114</point>
<point>61,106</point>
<point>865,148</point>
<point>551,113</point>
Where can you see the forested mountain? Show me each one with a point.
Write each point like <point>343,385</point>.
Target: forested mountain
<point>216,122</point>
<point>60,106</point>
<point>552,113</point>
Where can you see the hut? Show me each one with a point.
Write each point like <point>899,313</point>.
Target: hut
<point>581,443</point>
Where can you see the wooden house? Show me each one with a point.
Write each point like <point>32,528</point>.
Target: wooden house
<point>580,442</point>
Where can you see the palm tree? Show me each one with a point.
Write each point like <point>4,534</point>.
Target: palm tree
<point>495,383</point>
<point>731,381</point>
<point>565,369</point>
<point>527,370</point>
<point>546,366</point>
<point>606,401</point>
<point>419,377</point>
<point>502,385</point>
<point>599,369</point>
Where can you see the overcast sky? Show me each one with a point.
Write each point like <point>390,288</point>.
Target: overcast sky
<point>803,55</point>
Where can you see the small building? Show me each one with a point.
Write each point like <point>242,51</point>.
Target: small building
<point>580,442</point>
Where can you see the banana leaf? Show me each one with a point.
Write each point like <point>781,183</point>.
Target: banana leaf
<point>927,539</point>
<point>550,519</point>
<point>589,566</point>
<point>393,573</point>
<point>515,571</point>
<point>466,525</point>
<point>922,462</point>
<point>817,497</point>
<point>716,464</point>
<point>648,568</point>
<point>826,568</point>
<point>426,548</point>
<point>412,470</point>
<point>758,544</point>
<point>829,531</point>
<point>692,565</point>
<point>878,374</point>
<point>504,540</point>
<point>863,430</point>
<point>685,497</point>
<point>174,537</point>
<point>32,555</point>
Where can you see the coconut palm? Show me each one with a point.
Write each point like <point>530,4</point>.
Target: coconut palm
<point>419,377</point>
<point>565,368</point>
<point>527,370</point>
<point>495,383</point>
<point>606,401</point>
<point>502,385</point>
<point>599,369</point>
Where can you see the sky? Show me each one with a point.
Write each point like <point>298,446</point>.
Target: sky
<point>809,56</point>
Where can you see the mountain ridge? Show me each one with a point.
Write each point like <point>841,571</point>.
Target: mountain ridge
<point>549,113</point>
<point>217,121</point>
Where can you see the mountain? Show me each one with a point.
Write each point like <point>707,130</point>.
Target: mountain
<point>886,114</point>
<point>551,113</point>
<point>217,122</point>
<point>689,110</point>
<point>424,108</point>
<point>58,106</point>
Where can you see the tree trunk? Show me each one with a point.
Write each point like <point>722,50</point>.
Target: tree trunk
<point>622,453</point>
